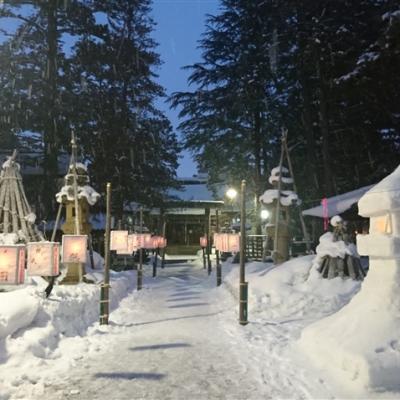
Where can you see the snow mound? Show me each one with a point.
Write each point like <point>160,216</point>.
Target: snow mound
<point>17,310</point>
<point>328,247</point>
<point>360,344</point>
<point>292,289</point>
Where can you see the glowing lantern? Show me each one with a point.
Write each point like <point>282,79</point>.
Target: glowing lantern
<point>119,241</point>
<point>74,249</point>
<point>43,258</point>
<point>162,242</point>
<point>382,224</point>
<point>12,264</point>
<point>233,243</point>
<point>203,241</point>
<point>146,241</point>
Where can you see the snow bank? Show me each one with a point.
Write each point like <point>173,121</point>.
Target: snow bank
<point>292,289</point>
<point>34,329</point>
<point>17,310</point>
<point>360,344</point>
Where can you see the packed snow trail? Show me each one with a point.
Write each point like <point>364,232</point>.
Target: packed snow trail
<point>164,342</point>
<point>178,338</point>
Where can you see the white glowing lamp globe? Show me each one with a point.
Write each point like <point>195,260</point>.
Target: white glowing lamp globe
<point>264,214</point>
<point>43,258</point>
<point>12,264</point>
<point>74,249</point>
<point>231,193</point>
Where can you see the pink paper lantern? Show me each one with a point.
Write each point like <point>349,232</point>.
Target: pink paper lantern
<point>133,243</point>
<point>43,258</point>
<point>162,243</point>
<point>203,241</point>
<point>74,249</point>
<point>146,241</point>
<point>119,241</point>
<point>233,242</point>
<point>12,264</point>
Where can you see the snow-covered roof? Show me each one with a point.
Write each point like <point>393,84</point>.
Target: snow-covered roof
<point>382,197</point>
<point>338,204</point>
<point>192,192</point>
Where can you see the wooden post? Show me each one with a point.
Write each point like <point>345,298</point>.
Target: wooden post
<point>140,267</point>
<point>243,285</point>
<point>303,225</point>
<point>219,266</point>
<point>105,287</point>
<point>208,246</point>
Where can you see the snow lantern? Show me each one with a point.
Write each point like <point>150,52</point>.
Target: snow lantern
<point>43,258</point>
<point>119,241</point>
<point>361,340</point>
<point>203,242</point>
<point>74,249</point>
<point>12,264</point>
<point>162,244</point>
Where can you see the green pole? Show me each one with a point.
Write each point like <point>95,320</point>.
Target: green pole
<point>105,287</point>
<point>140,269</point>
<point>243,286</point>
<point>219,266</point>
<point>208,246</point>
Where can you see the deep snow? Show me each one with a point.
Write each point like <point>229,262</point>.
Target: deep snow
<point>179,338</point>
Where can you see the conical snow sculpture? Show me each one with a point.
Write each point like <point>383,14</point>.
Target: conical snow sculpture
<point>361,342</point>
<point>336,255</point>
<point>16,217</point>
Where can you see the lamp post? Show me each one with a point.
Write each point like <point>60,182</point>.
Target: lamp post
<point>219,267</point>
<point>203,245</point>
<point>105,287</point>
<point>243,286</point>
<point>208,245</point>
<point>140,268</point>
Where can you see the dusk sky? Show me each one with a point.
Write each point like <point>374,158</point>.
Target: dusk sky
<point>180,24</point>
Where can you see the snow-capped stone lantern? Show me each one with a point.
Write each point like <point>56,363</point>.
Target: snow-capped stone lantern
<point>87,197</point>
<point>287,198</point>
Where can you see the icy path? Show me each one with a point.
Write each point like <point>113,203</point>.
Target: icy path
<point>179,338</point>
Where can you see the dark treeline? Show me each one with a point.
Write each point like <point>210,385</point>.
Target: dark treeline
<point>89,66</point>
<point>327,71</point>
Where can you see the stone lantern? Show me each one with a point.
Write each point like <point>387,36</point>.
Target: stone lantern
<point>287,198</point>
<point>87,197</point>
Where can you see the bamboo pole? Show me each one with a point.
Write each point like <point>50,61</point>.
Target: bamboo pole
<point>105,287</point>
<point>218,261</point>
<point>7,208</point>
<point>278,201</point>
<point>14,215</point>
<point>75,184</point>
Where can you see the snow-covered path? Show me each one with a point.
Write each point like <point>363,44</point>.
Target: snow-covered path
<point>166,341</point>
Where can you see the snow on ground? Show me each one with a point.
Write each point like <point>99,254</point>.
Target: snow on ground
<point>179,338</point>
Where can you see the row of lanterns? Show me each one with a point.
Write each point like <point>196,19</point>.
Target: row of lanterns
<point>42,258</point>
<point>223,242</point>
<point>125,243</point>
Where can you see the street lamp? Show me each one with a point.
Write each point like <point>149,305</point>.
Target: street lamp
<point>243,285</point>
<point>231,193</point>
<point>264,214</point>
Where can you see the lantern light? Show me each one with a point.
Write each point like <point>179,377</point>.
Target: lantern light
<point>227,242</point>
<point>12,264</point>
<point>43,258</point>
<point>74,249</point>
<point>203,241</point>
<point>119,241</point>
<point>231,193</point>
<point>264,214</point>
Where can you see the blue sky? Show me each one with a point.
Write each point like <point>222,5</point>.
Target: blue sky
<point>180,24</point>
